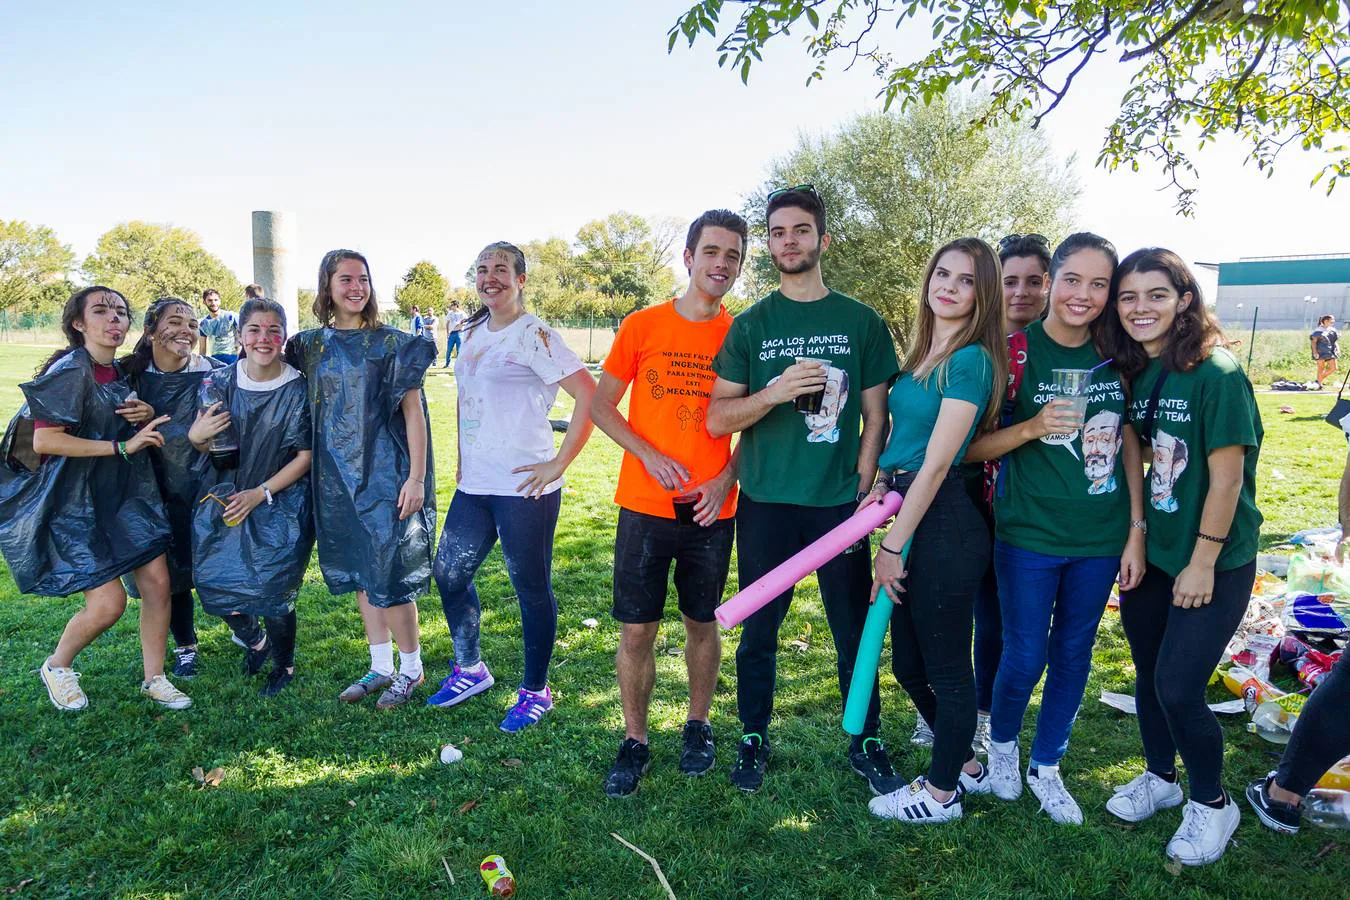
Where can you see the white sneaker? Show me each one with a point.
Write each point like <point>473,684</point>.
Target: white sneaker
<point>63,687</point>
<point>1055,798</point>
<point>162,691</point>
<point>1204,833</point>
<point>981,742</point>
<point>923,735</point>
<point>1142,797</point>
<point>1005,775</point>
<point>913,805</point>
<point>977,784</point>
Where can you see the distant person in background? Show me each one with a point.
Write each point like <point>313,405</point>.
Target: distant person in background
<point>221,327</point>
<point>1325,348</point>
<point>254,292</point>
<point>454,318</point>
<point>429,323</point>
<point>417,321</point>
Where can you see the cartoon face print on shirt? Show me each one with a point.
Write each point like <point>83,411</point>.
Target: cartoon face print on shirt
<point>1170,457</point>
<point>1101,442</point>
<point>823,427</point>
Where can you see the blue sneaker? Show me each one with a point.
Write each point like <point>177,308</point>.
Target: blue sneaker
<point>461,684</point>
<point>529,708</point>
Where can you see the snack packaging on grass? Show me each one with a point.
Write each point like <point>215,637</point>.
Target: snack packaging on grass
<point>357,379</point>
<point>72,523</point>
<point>256,566</point>
<point>179,469</point>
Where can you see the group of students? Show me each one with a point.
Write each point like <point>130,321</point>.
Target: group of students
<point>1020,510</point>
<point>427,324</point>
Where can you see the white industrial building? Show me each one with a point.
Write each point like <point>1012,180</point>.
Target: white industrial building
<point>1283,292</point>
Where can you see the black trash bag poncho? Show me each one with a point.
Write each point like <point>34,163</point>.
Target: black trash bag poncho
<point>179,469</point>
<point>257,566</point>
<point>73,523</point>
<point>357,379</point>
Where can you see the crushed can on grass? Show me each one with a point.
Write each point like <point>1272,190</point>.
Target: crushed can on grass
<point>497,877</point>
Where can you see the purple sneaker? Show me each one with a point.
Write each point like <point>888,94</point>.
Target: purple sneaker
<point>460,685</point>
<point>529,709</point>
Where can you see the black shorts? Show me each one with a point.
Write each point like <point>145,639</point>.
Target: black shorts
<point>645,546</point>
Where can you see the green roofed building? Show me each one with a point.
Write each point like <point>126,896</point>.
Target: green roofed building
<point>1293,292</point>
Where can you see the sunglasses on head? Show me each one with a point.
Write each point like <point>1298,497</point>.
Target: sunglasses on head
<point>1013,240</point>
<point>805,188</point>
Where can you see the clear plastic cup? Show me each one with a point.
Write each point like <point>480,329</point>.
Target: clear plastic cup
<point>811,403</point>
<point>1074,385</point>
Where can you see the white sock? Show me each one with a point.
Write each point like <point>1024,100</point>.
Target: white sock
<point>382,658</point>
<point>410,664</point>
<point>477,668</point>
<point>1003,746</point>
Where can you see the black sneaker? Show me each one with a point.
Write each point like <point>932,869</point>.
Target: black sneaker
<point>748,773</point>
<point>699,753</point>
<point>185,662</point>
<point>1282,817</point>
<point>871,762</point>
<point>254,660</point>
<point>633,762</point>
<point>277,680</point>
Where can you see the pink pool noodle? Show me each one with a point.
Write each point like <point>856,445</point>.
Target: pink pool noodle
<point>786,574</point>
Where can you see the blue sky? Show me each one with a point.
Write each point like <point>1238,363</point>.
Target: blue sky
<point>425,130</point>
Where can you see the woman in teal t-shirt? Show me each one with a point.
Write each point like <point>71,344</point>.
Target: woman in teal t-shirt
<point>1192,402</point>
<point>1068,488</point>
<point>956,364</point>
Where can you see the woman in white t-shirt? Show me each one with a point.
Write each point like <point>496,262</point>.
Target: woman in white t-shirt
<point>508,479</point>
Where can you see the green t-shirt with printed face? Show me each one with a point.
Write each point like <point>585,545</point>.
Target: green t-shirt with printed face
<point>1198,412</point>
<point>914,406</point>
<point>791,457</point>
<point>1065,494</point>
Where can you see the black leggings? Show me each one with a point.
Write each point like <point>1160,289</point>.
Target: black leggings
<point>182,610</point>
<point>1175,651</point>
<point>931,624</point>
<point>280,631</point>
<point>1321,735</point>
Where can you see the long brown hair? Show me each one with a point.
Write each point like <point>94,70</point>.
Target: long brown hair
<point>323,297</point>
<point>73,312</point>
<point>1194,333</point>
<point>986,325</point>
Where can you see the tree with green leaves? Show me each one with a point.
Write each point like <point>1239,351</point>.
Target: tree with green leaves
<point>1268,72</point>
<point>627,260</point>
<point>898,186</point>
<point>34,265</point>
<point>423,286</point>
<point>146,261</point>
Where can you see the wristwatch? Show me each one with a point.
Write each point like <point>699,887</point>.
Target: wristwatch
<point>268,494</point>
<point>1140,524</point>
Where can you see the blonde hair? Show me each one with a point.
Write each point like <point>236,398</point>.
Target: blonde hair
<point>985,326</point>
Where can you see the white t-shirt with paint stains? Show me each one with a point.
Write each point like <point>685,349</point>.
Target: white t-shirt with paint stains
<point>507,383</point>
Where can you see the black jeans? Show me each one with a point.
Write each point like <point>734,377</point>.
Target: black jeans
<point>766,535</point>
<point>931,624</point>
<point>182,613</point>
<point>1321,735</point>
<point>1175,651</point>
<point>280,631</point>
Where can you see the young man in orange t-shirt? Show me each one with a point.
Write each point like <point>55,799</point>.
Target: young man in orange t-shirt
<point>677,490</point>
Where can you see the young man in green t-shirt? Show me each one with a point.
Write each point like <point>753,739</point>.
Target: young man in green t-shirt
<point>803,376</point>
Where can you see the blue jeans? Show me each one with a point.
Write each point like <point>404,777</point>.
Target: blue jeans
<point>473,524</point>
<point>451,343</point>
<point>1051,607</point>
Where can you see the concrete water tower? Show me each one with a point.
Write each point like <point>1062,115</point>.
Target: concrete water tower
<point>273,265</point>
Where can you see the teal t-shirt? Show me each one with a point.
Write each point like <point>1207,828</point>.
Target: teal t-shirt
<point>1198,412</point>
<point>968,375</point>
<point>1065,494</point>
<point>791,457</point>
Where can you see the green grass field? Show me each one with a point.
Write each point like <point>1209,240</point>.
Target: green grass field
<point>323,799</point>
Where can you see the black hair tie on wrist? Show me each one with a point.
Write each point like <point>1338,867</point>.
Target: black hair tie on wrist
<point>890,551</point>
<point>1211,538</point>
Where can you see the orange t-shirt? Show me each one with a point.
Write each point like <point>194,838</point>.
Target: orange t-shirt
<point>668,360</point>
